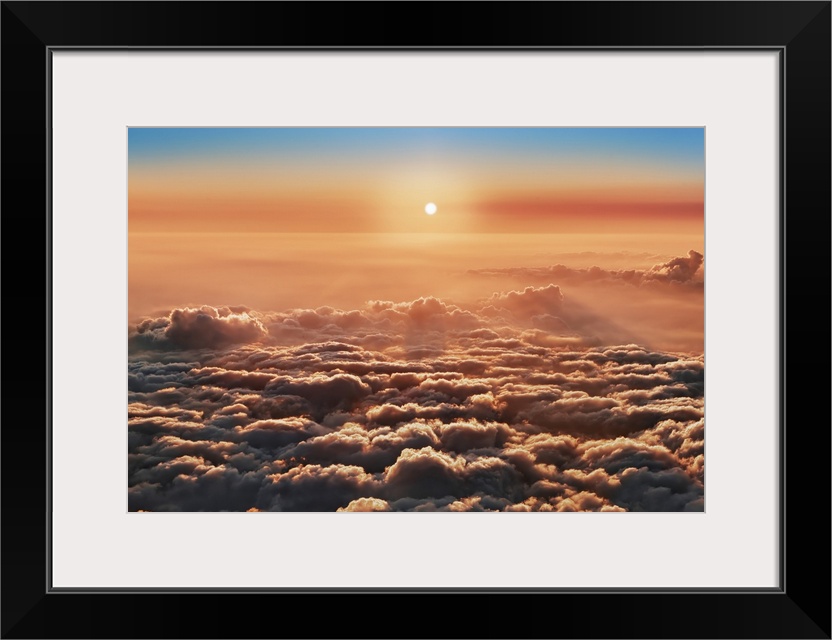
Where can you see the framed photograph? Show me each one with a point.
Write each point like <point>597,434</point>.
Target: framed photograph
<point>488,306</point>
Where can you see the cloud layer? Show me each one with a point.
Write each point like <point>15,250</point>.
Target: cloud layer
<point>682,270</point>
<point>495,405</point>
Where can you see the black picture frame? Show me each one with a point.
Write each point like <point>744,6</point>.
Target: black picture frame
<point>799,31</point>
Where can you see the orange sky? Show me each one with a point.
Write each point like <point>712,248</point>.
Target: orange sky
<point>378,180</point>
<point>304,218</point>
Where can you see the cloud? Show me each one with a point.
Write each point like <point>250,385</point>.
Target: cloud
<point>317,488</point>
<point>680,270</point>
<point>529,302</point>
<point>424,312</point>
<point>463,436</point>
<point>367,504</point>
<point>428,473</point>
<point>274,434</point>
<point>427,405</point>
<point>215,488</point>
<point>203,328</point>
<point>325,393</point>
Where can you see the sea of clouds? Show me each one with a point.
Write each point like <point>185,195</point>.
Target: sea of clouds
<point>507,403</point>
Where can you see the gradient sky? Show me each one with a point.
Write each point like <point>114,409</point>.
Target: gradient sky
<point>279,218</point>
<point>367,180</point>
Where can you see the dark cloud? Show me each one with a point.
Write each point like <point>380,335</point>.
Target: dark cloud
<point>222,488</point>
<point>317,488</point>
<point>428,473</point>
<point>325,393</point>
<point>373,450</point>
<point>274,434</point>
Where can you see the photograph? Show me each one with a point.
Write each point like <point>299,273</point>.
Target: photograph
<point>385,319</point>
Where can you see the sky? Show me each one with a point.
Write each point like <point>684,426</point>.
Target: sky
<point>286,217</point>
<point>371,180</point>
<point>304,336</point>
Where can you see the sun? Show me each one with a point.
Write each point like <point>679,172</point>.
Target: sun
<point>430,208</point>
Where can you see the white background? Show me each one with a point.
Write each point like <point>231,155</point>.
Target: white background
<point>96,96</point>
